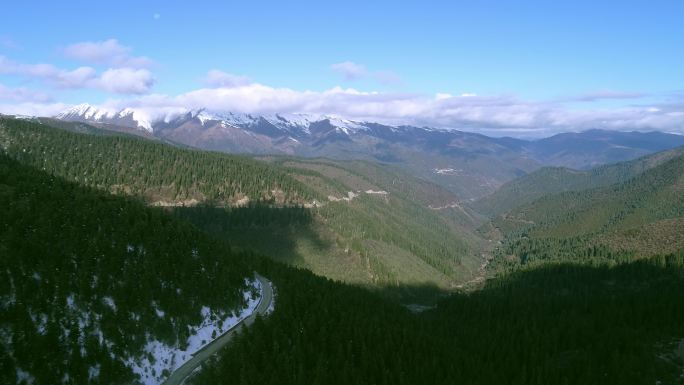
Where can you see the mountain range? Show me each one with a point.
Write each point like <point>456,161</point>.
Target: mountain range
<point>121,250</point>
<point>638,213</point>
<point>471,165</point>
<point>554,180</point>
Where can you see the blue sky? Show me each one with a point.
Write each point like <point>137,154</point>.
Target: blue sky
<point>578,57</point>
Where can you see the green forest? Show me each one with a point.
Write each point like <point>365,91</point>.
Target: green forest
<point>156,172</point>
<point>368,240</point>
<point>557,324</point>
<point>83,272</point>
<point>548,181</point>
<point>609,224</point>
<point>87,262</point>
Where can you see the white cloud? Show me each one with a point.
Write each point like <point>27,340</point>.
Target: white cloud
<point>350,70</point>
<point>605,95</point>
<point>216,78</point>
<point>116,80</point>
<point>32,109</point>
<point>125,81</point>
<point>23,94</point>
<point>495,115</point>
<point>107,52</point>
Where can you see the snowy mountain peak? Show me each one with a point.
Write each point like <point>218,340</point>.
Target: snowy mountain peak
<point>86,111</point>
<point>294,125</point>
<point>79,110</point>
<point>127,117</point>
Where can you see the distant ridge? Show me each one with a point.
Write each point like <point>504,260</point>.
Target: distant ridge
<point>478,164</point>
<point>552,180</point>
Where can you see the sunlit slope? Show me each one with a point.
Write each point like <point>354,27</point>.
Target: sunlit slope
<point>160,174</point>
<point>372,225</point>
<point>358,222</point>
<point>632,219</point>
<point>552,180</point>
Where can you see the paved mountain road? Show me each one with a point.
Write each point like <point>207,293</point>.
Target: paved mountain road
<point>183,372</point>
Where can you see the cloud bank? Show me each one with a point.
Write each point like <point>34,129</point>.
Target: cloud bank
<point>107,52</point>
<point>351,71</point>
<point>494,115</point>
<point>121,73</point>
<point>115,80</point>
<point>216,78</point>
<point>22,94</point>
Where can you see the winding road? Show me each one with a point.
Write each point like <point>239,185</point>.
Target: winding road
<point>183,372</point>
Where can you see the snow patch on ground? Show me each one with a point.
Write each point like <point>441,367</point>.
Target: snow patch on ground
<point>447,171</point>
<point>166,359</point>
<point>71,302</point>
<point>9,300</point>
<point>109,301</point>
<point>24,376</point>
<point>160,313</point>
<point>40,320</point>
<point>351,195</point>
<point>94,372</point>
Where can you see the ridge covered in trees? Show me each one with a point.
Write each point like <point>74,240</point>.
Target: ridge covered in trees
<point>566,308</point>
<point>86,279</point>
<point>554,324</point>
<point>391,237</point>
<point>153,171</point>
<point>553,180</point>
<point>613,223</point>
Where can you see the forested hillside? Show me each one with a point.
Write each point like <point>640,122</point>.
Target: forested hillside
<point>617,222</point>
<point>391,211</point>
<point>562,324</point>
<point>553,180</point>
<point>88,280</point>
<point>375,225</point>
<point>160,174</point>
<point>358,222</point>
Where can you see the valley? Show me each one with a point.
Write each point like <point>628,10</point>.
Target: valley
<point>338,238</point>
<point>342,193</point>
<point>375,237</point>
<point>324,214</point>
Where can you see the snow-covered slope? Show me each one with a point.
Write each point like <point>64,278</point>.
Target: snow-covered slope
<point>127,117</point>
<point>294,125</point>
<point>160,359</point>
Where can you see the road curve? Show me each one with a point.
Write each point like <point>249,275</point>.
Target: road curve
<point>183,372</point>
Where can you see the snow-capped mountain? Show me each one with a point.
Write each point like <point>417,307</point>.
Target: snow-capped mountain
<point>296,125</point>
<point>315,136</point>
<point>483,163</point>
<point>127,117</point>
